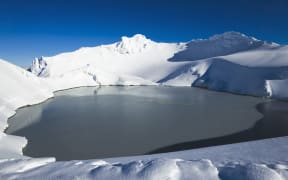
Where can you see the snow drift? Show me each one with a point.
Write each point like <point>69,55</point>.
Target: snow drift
<point>188,165</point>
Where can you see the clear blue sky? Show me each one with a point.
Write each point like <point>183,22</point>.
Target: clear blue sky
<point>31,28</point>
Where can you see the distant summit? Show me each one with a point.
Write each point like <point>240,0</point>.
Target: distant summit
<point>38,66</point>
<point>134,44</point>
<point>218,45</point>
<point>232,35</point>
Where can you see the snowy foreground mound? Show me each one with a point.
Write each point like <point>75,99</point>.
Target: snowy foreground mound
<point>229,62</point>
<point>259,160</point>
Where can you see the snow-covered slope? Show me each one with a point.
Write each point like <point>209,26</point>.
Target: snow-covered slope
<point>135,56</point>
<point>218,45</point>
<point>257,72</point>
<point>18,88</point>
<point>231,62</point>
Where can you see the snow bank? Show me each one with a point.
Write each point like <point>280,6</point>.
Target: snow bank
<point>277,89</point>
<point>227,76</point>
<point>223,75</point>
<point>174,169</point>
<point>18,88</point>
<point>154,169</point>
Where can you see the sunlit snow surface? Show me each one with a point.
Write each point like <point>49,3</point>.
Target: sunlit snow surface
<point>237,63</point>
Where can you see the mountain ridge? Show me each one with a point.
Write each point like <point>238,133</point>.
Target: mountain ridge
<point>140,60</point>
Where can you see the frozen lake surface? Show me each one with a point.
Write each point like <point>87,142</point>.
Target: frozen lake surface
<point>100,122</point>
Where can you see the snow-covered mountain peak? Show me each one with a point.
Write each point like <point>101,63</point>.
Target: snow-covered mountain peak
<point>234,39</point>
<point>136,37</point>
<point>219,45</point>
<point>38,66</point>
<point>233,36</point>
<point>134,44</point>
